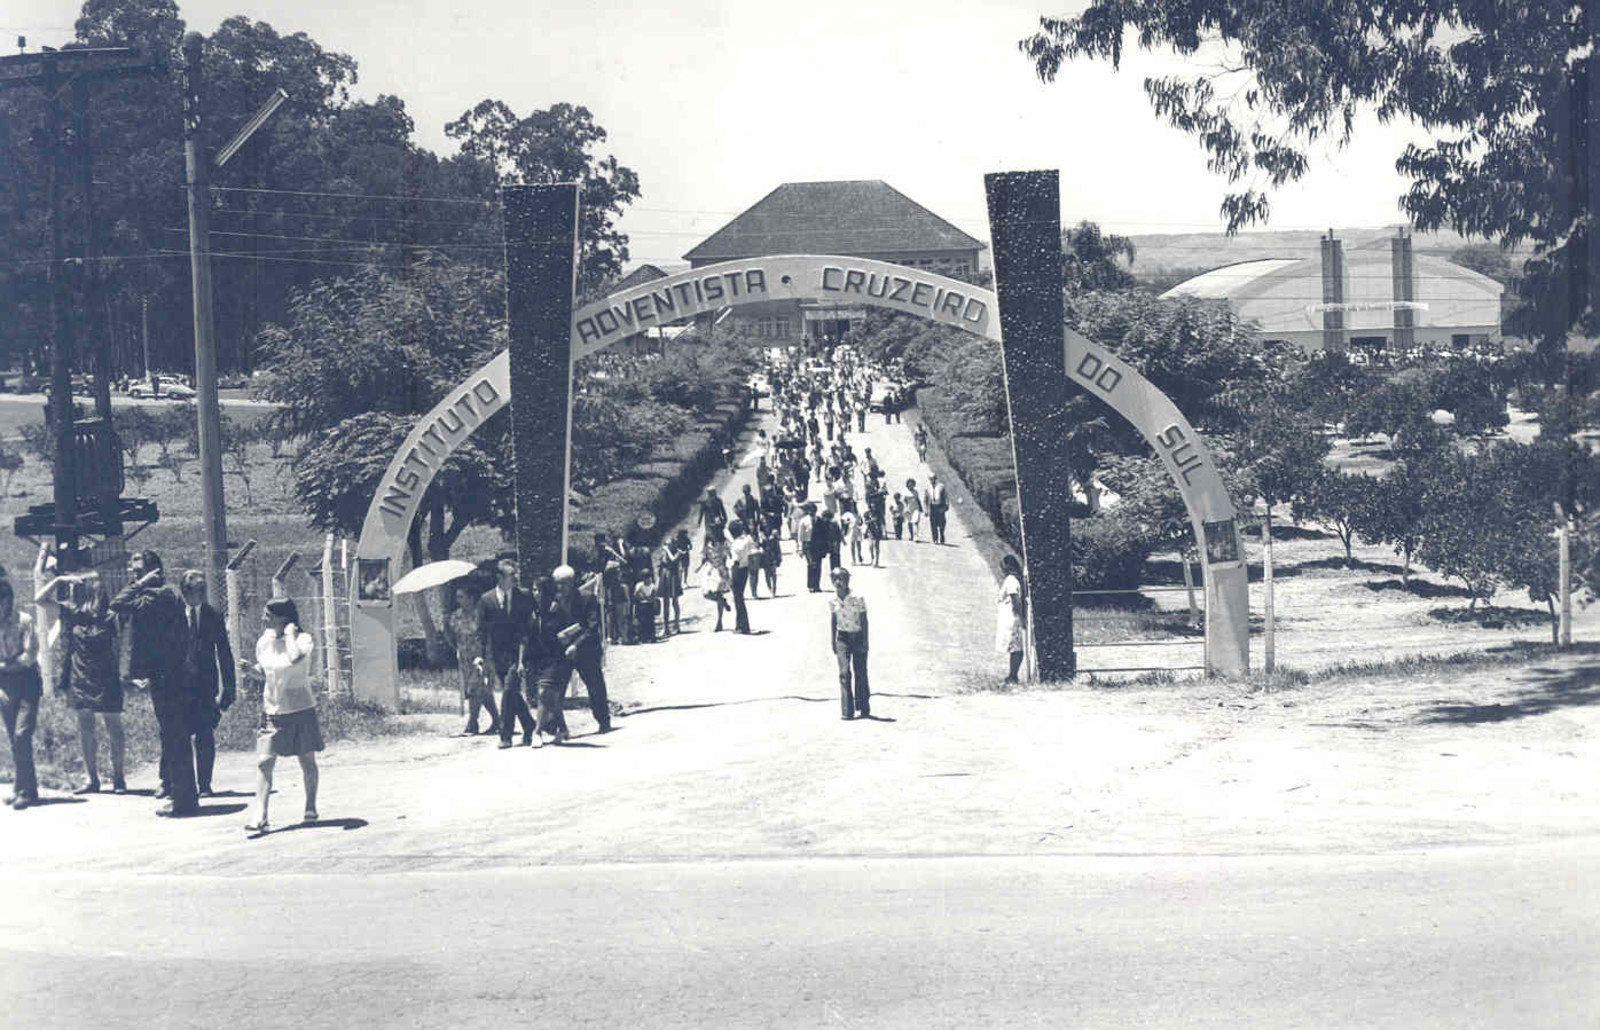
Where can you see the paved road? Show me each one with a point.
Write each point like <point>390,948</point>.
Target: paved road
<point>1463,938</point>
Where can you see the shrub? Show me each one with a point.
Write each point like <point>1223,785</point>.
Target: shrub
<point>1108,552</point>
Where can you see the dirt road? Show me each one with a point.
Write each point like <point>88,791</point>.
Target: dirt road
<point>733,748</point>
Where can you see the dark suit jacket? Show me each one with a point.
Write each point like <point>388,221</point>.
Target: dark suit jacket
<point>585,615</point>
<point>209,656</point>
<point>157,630</point>
<point>501,632</point>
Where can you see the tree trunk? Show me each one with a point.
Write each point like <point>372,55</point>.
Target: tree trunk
<point>1349,555</point>
<point>433,639</point>
<point>1266,582</point>
<point>1405,566</point>
<point>1555,620</point>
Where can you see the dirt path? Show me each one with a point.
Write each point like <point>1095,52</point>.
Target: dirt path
<point>733,747</point>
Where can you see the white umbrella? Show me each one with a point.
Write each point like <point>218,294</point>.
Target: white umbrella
<point>432,574</point>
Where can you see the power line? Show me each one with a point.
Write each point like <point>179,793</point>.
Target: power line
<point>352,196</point>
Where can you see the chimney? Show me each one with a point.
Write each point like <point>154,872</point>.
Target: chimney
<point>1405,318</point>
<point>1333,330</point>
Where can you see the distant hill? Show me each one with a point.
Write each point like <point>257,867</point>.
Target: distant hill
<point>1160,255</point>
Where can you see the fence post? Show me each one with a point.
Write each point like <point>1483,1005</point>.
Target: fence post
<point>1564,577</point>
<point>330,622</point>
<point>1188,586</point>
<point>278,589</point>
<point>231,585</point>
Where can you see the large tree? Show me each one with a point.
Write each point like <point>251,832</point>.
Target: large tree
<point>557,144</point>
<point>1504,87</point>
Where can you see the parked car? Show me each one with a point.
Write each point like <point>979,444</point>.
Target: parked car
<point>177,391</point>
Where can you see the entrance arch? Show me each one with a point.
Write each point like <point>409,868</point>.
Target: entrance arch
<point>704,291</point>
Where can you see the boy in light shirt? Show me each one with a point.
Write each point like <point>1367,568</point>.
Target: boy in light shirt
<point>848,634</point>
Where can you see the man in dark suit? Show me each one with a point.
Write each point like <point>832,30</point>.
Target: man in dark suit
<point>569,639</point>
<point>156,646</point>
<point>208,660</point>
<point>505,616</point>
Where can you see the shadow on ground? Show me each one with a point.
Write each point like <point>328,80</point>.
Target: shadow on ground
<point>1545,690</point>
<point>722,704</point>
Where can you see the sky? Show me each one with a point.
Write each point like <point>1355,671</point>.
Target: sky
<point>714,103</point>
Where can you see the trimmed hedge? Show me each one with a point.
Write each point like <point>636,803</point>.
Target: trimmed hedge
<point>1107,553</point>
<point>666,486</point>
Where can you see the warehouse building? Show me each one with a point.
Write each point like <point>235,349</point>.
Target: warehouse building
<point>1374,303</point>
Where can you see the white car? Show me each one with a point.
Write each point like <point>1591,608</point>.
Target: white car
<point>177,391</point>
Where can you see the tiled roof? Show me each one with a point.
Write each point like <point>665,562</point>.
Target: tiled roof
<point>642,274</point>
<point>861,217</point>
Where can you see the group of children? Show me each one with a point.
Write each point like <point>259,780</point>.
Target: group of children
<point>639,587</point>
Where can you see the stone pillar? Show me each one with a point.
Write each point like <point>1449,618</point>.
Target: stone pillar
<point>541,234</point>
<point>1333,335</point>
<point>1405,319</point>
<point>1025,231</point>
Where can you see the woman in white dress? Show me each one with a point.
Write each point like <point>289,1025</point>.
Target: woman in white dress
<point>1010,629</point>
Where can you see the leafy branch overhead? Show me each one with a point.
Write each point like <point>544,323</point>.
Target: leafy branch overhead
<point>1500,86</point>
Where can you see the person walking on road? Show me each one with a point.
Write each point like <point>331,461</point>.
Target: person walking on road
<point>848,633</point>
<point>938,502</point>
<point>771,549</point>
<point>283,658</point>
<point>810,546</point>
<point>1011,614</point>
<point>505,615</point>
<point>157,641</point>
<point>549,672</point>
<point>669,588</point>
<point>740,550</point>
<point>89,678</point>
<point>570,632</point>
<point>921,437</point>
<point>913,507</point>
<point>462,627</point>
<point>21,690</point>
<point>208,663</point>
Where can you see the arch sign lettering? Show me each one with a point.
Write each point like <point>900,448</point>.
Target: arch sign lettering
<point>708,290</point>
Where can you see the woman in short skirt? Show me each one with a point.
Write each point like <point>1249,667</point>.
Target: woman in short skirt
<point>90,679</point>
<point>283,657</point>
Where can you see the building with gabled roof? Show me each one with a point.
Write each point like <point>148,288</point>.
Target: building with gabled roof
<point>864,218</point>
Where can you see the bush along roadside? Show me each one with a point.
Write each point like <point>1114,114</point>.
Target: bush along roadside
<point>665,487</point>
<point>1107,552</point>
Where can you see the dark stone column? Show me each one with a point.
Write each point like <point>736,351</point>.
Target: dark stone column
<point>1025,232</point>
<point>541,227</point>
<point>1333,334</point>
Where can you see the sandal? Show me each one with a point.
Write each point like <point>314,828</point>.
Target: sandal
<point>259,828</point>
<point>310,816</point>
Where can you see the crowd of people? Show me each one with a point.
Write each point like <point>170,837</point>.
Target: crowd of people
<point>817,493</point>
<point>178,654</point>
<point>518,648</point>
<point>813,495</point>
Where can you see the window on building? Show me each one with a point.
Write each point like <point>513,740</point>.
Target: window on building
<point>773,328</point>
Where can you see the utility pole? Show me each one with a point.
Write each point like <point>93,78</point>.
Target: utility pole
<point>65,526</point>
<point>213,510</point>
<point>197,173</point>
<point>52,72</point>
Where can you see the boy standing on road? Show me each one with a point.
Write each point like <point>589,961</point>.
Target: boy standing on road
<point>848,633</point>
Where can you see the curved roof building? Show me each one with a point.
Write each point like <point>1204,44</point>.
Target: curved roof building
<point>1368,301</point>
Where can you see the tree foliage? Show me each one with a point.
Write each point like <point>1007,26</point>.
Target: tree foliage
<point>557,145</point>
<point>329,184</point>
<point>1501,86</point>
